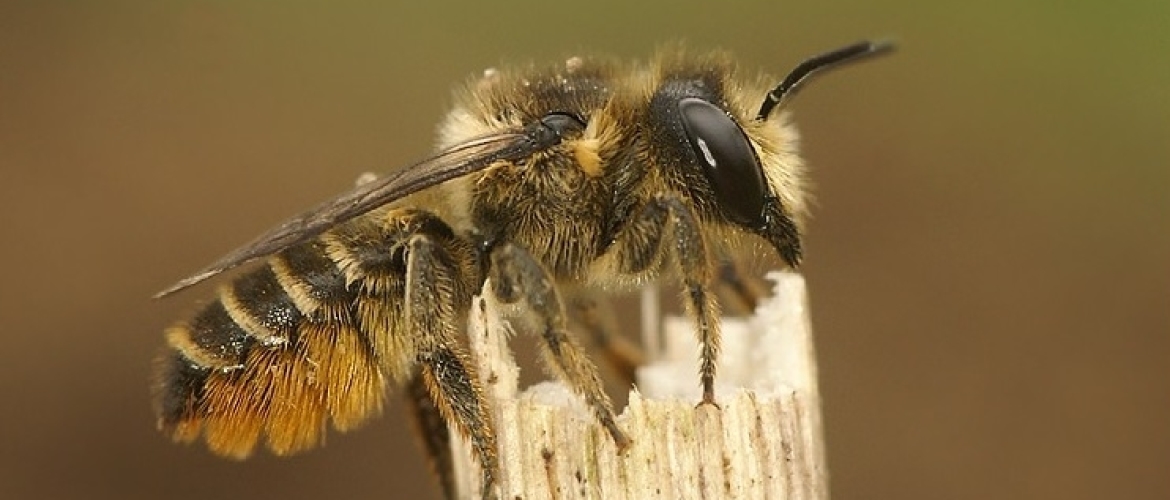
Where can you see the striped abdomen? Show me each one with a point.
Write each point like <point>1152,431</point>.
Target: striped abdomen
<point>311,337</point>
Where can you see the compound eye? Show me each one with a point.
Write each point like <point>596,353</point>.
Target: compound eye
<point>728,159</point>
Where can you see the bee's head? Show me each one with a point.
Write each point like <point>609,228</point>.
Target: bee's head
<point>698,128</point>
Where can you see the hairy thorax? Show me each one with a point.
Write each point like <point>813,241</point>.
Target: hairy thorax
<point>560,204</point>
<point>548,207</point>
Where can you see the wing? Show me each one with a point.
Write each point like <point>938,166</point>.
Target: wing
<point>457,161</point>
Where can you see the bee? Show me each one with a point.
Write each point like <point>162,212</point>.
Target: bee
<point>593,173</point>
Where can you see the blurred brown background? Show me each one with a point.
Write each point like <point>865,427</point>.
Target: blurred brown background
<point>988,264</point>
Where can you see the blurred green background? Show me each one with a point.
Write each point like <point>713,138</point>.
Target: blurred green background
<point>989,263</point>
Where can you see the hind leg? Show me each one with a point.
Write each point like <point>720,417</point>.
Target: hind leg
<point>445,370</point>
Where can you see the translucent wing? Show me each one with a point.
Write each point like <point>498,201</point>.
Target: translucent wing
<point>457,161</point>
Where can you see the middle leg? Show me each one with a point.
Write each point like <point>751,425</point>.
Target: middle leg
<point>515,275</point>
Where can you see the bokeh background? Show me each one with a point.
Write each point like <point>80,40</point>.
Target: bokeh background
<point>989,263</point>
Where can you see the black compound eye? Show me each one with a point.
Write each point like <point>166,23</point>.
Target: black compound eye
<point>727,157</point>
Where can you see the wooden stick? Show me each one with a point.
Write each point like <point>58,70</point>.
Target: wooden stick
<point>765,440</point>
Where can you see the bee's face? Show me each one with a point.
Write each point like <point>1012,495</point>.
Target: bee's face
<point>696,129</point>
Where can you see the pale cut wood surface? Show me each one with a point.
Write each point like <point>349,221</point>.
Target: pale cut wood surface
<point>764,441</point>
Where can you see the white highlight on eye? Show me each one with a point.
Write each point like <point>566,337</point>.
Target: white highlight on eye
<point>706,152</point>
